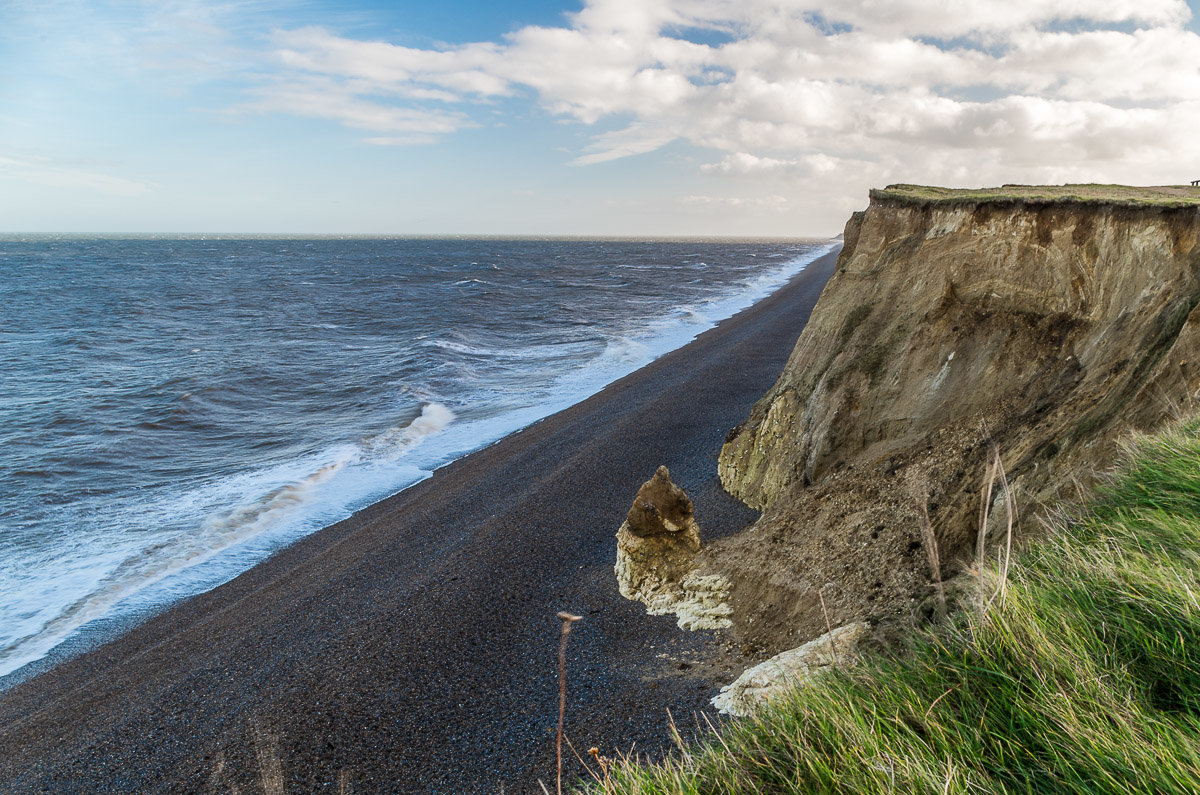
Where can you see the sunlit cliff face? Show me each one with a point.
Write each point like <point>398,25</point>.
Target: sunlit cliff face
<point>1047,329</point>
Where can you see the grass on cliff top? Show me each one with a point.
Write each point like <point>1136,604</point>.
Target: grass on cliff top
<point>1085,678</point>
<point>1119,195</point>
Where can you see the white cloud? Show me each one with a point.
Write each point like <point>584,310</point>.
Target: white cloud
<point>747,164</point>
<point>461,71</point>
<point>837,94</point>
<point>322,98</point>
<point>773,203</point>
<point>41,171</point>
<point>633,140</point>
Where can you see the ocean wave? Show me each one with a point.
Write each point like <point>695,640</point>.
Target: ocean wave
<point>556,350</point>
<point>398,440</point>
<point>278,500</point>
<point>459,381</point>
<point>461,347</point>
<point>622,351</point>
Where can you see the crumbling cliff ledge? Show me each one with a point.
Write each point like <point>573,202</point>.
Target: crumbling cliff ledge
<point>1045,320</point>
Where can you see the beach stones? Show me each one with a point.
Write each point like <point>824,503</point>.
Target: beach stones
<point>657,550</point>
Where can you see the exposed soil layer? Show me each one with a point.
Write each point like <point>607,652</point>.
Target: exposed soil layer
<point>1050,330</point>
<point>412,647</point>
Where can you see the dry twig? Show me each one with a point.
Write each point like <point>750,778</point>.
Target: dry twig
<point>567,620</point>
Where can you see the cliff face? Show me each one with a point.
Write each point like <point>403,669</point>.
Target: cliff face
<point>1049,327</point>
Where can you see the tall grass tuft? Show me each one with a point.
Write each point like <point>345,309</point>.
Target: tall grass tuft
<point>1083,676</point>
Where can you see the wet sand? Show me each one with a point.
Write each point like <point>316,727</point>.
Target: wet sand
<point>413,646</point>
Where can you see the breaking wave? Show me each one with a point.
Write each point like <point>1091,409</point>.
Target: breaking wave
<point>182,445</point>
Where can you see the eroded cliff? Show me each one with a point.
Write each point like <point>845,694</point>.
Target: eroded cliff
<point>1047,323</point>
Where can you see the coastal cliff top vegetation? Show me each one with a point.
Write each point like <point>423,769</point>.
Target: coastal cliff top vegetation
<point>1117,195</point>
<point>1083,676</point>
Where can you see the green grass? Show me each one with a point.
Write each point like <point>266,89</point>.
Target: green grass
<point>1084,678</point>
<point>1118,195</point>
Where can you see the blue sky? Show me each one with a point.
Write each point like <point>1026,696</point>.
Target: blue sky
<point>639,117</point>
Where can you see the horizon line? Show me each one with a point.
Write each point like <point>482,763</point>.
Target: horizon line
<point>395,236</point>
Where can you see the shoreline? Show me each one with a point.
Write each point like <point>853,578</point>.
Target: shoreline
<point>413,643</point>
<point>194,566</point>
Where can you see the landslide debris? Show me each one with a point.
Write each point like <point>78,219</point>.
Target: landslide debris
<point>657,549</point>
<point>1048,329</point>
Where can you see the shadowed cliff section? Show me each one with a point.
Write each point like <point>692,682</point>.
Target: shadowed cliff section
<point>1051,320</point>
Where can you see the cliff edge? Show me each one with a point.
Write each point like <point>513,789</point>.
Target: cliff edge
<point>1046,320</point>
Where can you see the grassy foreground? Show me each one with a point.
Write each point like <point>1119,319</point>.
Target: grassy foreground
<point>1084,677</point>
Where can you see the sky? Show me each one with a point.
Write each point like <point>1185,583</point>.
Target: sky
<point>592,117</point>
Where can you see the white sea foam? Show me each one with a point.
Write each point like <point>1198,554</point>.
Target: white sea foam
<point>270,507</point>
<point>621,351</point>
<point>396,441</point>
<point>619,357</point>
<point>526,352</point>
<point>252,514</point>
<point>460,347</point>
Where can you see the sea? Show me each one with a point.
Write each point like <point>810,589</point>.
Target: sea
<point>175,409</point>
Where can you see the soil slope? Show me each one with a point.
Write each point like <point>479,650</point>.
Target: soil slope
<point>1049,326</point>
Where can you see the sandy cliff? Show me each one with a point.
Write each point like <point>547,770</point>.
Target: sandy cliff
<point>1050,323</point>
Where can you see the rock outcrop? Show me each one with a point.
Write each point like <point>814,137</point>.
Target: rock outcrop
<point>791,668</point>
<point>657,547</point>
<point>1047,327</point>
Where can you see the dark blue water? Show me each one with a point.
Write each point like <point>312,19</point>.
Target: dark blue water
<point>173,410</point>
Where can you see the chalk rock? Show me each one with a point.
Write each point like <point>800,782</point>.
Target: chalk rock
<point>788,669</point>
<point>702,602</point>
<point>657,546</point>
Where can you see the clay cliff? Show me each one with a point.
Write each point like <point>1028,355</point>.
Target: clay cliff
<point>1048,322</point>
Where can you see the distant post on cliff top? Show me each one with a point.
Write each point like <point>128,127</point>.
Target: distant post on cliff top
<point>1195,182</point>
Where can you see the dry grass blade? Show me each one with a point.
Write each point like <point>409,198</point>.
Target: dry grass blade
<point>828,628</point>
<point>601,778</point>
<point>939,698</point>
<point>919,488</point>
<point>1011,505</point>
<point>716,733</point>
<point>985,506</point>
<point>677,737</point>
<point>997,472</point>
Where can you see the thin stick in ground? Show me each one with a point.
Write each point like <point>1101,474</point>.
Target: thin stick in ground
<point>567,620</point>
